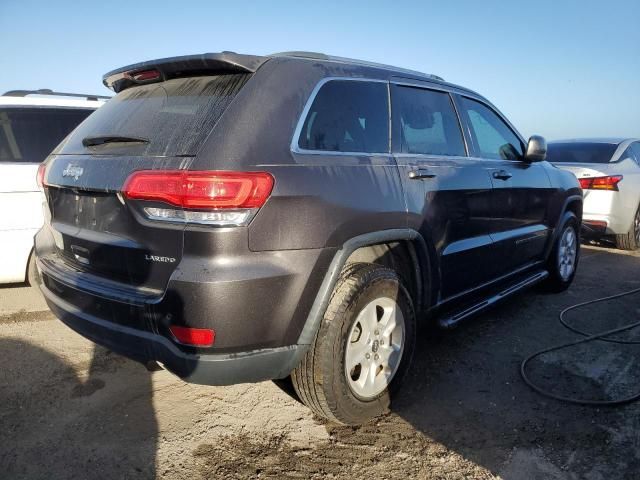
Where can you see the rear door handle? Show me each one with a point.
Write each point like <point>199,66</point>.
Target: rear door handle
<point>502,175</point>
<point>421,173</point>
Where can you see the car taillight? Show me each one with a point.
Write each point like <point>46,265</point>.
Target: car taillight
<point>600,183</point>
<point>198,337</point>
<point>210,197</point>
<point>40,176</point>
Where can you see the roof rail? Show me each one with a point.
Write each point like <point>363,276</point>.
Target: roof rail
<point>46,91</point>
<point>364,63</point>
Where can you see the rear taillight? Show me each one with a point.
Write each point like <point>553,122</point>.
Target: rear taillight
<point>40,176</point>
<point>197,337</point>
<point>210,197</point>
<point>601,183</point>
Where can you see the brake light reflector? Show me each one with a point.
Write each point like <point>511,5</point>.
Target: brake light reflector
<point>200,190</point>
<point>42,168</point>
<point>601,183</point>
<point>197,337</point>
<point>144,75</point>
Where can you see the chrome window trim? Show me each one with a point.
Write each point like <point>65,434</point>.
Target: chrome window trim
<point>421,84</point>
<point>440,158</point>
<point>449,92</point>
<point>294,147</point>
<point>432,156</point>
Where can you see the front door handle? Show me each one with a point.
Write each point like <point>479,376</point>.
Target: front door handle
<point>421,173</point>
<point>502,175</point>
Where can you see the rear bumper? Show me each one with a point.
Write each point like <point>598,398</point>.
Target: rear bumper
<point>608,213</point>
<point>256,302</point>
<point>143,346</point>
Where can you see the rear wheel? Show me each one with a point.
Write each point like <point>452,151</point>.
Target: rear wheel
<point>630,240</point>
<point>362,349</point>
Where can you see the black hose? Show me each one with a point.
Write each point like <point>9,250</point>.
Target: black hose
<point>602,336</point>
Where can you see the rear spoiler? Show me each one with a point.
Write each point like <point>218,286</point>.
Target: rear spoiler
<point>189,65</point>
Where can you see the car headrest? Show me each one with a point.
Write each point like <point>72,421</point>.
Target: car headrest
<point>418,116</point>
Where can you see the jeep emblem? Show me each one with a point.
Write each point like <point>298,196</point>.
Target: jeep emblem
<point>73,171</point>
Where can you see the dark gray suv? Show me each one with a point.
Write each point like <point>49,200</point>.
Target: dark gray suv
<point>240,218</point>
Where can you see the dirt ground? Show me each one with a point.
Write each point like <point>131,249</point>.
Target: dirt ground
<point>69,410</point>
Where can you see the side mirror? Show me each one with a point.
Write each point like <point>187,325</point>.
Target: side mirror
<point>536,149</point>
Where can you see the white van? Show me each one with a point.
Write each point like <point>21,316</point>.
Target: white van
<point>32,124</point>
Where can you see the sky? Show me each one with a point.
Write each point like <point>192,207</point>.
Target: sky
<point>558,68</point>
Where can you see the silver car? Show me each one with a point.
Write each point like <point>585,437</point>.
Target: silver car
<point>609,173</point>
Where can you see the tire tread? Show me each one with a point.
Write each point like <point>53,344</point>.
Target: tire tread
<point>325,350</point>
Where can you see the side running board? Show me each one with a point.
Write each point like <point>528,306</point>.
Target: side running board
<point>450,321</point>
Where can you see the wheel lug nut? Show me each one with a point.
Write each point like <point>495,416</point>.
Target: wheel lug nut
<point>368,356</point>
<point>376,357</point>
<point>376,333</point>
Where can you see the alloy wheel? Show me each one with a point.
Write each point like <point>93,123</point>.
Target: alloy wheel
<point>567,253</point>
<point>374,349</point>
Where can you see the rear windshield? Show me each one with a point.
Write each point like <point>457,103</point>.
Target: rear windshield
<point>580,152</point>
<point>30,134</point>
<point>175,116</point>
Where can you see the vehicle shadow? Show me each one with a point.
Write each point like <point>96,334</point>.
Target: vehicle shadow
<point>465,390</point>
<point>74,418</point>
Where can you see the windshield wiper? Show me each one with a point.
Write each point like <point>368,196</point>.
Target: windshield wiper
<point>102,139</point>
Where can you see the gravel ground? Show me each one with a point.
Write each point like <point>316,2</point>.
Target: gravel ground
<point>71,410</point>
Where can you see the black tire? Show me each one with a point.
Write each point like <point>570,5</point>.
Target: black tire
<point>321,380</point>
<point>33,276</point>
<point>630,240</point>
<point>556,283</point>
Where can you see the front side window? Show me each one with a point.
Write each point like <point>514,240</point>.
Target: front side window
<point>427,122</point>
<point>492,136</point>
<point>30,134</point>
<point>348,116</point>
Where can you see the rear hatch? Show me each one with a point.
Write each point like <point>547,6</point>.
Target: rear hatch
<point>156,125</point>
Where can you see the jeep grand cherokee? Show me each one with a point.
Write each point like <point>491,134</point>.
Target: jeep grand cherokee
<point>294,217</point>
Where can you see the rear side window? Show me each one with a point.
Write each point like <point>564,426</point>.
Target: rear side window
<point>635,147</point>
<point>175,116</point>
<point>492,136</point>
<point>427,122</point>
<point>30,134</point>
<point>580,152</point>
<point>348,116</point>
<point>628,153</point>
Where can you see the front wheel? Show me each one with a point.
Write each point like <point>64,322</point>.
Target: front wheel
<point>563,261</point>
<point>362,349</point>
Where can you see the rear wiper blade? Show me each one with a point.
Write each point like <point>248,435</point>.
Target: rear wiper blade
<point>102,139</point>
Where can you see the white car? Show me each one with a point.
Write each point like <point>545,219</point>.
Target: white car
<point>32,124</point>
<point>609,173</point>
